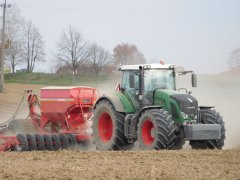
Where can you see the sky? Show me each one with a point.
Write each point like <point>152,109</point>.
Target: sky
<point>195,34</point>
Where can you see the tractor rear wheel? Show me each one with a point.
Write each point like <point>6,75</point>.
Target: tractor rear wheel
<point>210,117</point>
<point>155,130</point>
<point>108,129</point>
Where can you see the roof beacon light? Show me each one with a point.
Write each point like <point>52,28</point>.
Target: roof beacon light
<point>162,62</point>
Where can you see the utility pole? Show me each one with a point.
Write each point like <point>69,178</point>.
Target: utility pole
<point>3,46</point>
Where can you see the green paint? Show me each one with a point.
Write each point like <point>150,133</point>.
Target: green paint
<point>162,97</point>
<point>125,101</point>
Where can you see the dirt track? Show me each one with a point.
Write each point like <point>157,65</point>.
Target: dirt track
<point>182,164</point>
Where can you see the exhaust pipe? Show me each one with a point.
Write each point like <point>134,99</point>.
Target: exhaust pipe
<point>141,85</point>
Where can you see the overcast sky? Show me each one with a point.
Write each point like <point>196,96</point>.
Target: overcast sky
<point>197,34</point>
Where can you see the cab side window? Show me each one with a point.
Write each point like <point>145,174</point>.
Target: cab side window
<point>130,80</point>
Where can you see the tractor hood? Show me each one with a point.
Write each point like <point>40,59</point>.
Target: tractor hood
<point>185,102</point>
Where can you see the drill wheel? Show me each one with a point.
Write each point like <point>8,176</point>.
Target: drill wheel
<point>23,143</point>
<point>64,141</point>
<point>72,139</point>
<point>32,144</point>
<point>56,142</point>
<point>48,142</point>
<point>40,144</point>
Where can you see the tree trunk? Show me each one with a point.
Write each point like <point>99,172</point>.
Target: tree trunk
<point>74,75</point>
<point>13,68</point>
<point>28,66</point>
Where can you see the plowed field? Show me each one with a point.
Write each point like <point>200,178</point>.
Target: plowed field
<point>183,164</point>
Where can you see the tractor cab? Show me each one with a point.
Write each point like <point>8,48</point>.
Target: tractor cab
<point>141,81</point>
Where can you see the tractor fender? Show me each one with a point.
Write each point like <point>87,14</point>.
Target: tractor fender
<point>119,102</point>
<point>135,122</point>
<point>148,108</point>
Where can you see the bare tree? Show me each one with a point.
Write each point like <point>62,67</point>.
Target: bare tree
<point>234,59</point>
<point>33,50</point>
<point>99,58</point>
<point>72,50</point>
<point>14,36</point>
<point>127,54</point>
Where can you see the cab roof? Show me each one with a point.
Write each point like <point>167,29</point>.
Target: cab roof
<point>150,66</point>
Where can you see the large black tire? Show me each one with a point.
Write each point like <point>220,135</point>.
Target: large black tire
<point>32,144</point>
<point>40,142</point>
<point>108,128</point>
<point>155,130</point>
<point>210,117</point>
<point>56,142</point>
<point>23,143</point>
<point>48,142</point>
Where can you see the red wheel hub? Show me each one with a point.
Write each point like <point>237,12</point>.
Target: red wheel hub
<point>105,127</point>
<point>148,132</point>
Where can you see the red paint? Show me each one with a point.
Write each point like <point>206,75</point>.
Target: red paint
<point>146,132</point>
<point>105,127</point>
<point>8,142</point>
<point>68,108</point>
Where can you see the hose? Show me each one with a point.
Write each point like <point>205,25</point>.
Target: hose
<point>4,125</point>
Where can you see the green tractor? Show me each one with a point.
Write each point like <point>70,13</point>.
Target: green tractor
<point>148,112</point>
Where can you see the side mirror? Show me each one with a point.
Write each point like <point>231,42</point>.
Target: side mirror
<point>131,81</point>
<point>194,80</point>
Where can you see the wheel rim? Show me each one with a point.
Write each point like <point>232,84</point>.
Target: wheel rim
<point>148,132</point>
<point>105,127</point>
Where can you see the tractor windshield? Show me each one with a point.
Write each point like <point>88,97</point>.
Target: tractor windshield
<point>153,79</point>
<point>159,78</point>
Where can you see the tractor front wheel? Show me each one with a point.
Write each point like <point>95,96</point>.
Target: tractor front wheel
<point>108,130</point>
<point>155,130</point>
<point>210,117</point>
